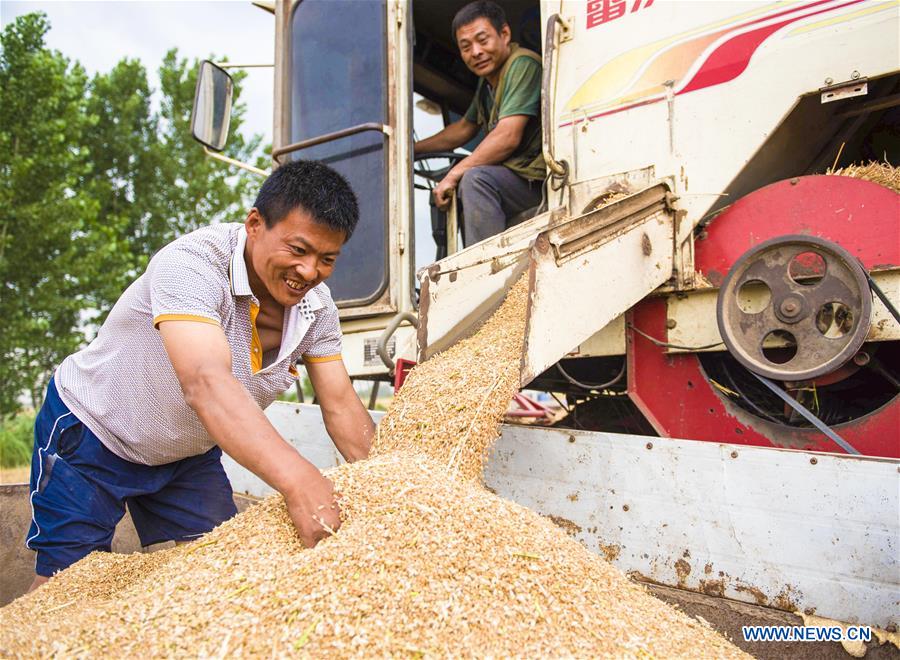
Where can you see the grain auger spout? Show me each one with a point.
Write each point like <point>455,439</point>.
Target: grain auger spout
<point>584,271</point>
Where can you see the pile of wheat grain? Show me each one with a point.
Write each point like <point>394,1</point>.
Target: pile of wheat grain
<point>425,564</point>
<point>883,174</point>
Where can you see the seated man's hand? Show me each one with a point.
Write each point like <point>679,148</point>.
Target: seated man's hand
<point>313,508</point>
<point>443,193</point>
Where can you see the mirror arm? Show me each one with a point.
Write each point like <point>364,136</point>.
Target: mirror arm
<point>236,163</point>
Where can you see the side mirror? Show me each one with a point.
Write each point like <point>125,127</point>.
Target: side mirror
<point>212,106</point>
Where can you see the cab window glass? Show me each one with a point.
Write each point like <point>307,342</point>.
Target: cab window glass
<point>339,81</point>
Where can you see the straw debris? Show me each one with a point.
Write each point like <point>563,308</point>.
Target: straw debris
<point>427,562</point>
<point>884,174</point>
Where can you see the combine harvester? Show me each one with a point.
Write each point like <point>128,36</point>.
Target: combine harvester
<point>700,290</point>
<point>694,275</point>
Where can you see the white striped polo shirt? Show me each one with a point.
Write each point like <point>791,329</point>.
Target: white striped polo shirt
<point>122,385</point>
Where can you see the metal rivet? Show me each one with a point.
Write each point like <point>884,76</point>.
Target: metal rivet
<point>649,445</point>
<point>829,81</point>
<point>734,454</point>
<point>855,75</point>
<point>795,181</point>
<point>814,460</point>
<point>624,507</point>
<point>671,323</point>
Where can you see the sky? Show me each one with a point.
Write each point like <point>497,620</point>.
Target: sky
<point>99,34</point>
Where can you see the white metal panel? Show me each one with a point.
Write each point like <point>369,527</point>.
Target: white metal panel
<point>302,426</point>
<point>794,530</point>
<point>357,346</point>
<point>572,300</point>
<point>704,138</point>
<point>791,529</point>
<point>608,341</point>
<point>694,315</point>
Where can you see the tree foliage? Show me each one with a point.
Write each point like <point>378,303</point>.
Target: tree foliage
<point>94,178</point>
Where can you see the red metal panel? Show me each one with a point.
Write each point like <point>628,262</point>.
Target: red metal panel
<point>860,216</point>
<point>673,392</point>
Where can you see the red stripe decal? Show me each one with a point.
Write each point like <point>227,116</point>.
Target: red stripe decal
<point>732,58</point>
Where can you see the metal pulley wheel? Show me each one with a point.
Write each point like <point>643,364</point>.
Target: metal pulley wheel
<point>794,308</point>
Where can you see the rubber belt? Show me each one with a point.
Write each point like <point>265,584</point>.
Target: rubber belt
<point>812,419</point>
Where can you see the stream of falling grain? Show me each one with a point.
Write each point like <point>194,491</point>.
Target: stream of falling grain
<point>428,563</point>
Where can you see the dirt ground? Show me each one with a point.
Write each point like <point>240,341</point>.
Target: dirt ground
<point>16,475</point>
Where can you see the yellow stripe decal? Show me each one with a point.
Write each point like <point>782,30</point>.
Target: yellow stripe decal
<point>256,357</point>
<point>846,17</point>
<point>313,359</point>
<point>183,317</point>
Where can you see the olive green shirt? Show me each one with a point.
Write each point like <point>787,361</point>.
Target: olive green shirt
<point>518,92</point>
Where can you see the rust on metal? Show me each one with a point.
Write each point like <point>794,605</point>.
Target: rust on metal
<point>758,595</point>
<point>566,525</point>
<point>713,587</point>
<point>610,551</point>
<point>785,600</point>
<point>422,330</point>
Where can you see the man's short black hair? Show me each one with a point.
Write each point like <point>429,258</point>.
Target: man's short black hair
<point>313,187</point>
<point>479,9</point>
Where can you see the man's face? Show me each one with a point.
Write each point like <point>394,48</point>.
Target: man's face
<point>483,49</point>
<point>292,257</point>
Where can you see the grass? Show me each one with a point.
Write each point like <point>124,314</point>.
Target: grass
<point>16,440</point>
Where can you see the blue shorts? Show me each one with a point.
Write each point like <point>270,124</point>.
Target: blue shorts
<point>79,490</point>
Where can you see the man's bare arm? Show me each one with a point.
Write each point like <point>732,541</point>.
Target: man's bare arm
<point>495,148</point>
<point>453,136</point>
<point>346,419</point>
<point>201,357</point>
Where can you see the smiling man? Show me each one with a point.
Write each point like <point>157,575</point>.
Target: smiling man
<point>181,370</point>
<point>504,174</point>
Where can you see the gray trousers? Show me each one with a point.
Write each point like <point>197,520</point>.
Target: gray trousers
<point>490,196</point>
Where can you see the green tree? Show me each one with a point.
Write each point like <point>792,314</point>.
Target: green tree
<point>94,182</point>
<point>42,209</point>
<point>151,179</point>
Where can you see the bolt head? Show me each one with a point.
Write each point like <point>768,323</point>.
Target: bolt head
<point>790,307</point>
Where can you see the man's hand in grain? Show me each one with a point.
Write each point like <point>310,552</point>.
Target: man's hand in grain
<point>313,508</point>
